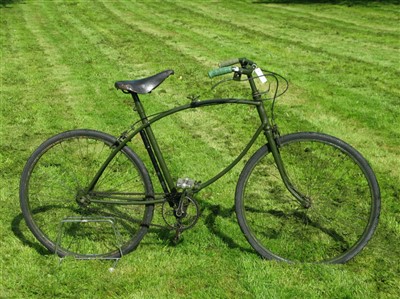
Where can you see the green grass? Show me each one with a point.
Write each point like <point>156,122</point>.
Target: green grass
<point>59,60</point>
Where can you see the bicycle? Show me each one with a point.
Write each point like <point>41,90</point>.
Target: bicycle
<point>302,197</point>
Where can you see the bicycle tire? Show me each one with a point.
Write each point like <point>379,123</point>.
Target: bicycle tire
<point>344,193</point>
<point>62,167</point>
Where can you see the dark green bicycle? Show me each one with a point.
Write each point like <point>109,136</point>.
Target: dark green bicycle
<point>306,197</point>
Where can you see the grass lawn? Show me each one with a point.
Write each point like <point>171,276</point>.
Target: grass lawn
<point>59,62</point>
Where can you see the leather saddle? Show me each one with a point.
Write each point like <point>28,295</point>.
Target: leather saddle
<point>145,85</point>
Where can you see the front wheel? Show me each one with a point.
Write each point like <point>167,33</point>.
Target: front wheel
<point>64,216</point>
<point>340,185</point>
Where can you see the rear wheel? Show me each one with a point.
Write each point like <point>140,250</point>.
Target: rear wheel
<point>342,188</point>
<point>61,213</point>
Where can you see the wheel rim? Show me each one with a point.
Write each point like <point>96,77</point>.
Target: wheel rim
<point>338,223</point>
<point>56,194</point>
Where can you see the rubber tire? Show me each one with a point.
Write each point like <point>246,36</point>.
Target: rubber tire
<point>309,137</point>
<point>109,141</point>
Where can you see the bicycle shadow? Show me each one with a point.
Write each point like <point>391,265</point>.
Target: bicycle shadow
<point>19,231</point>
<point>164,234</point>
<point>210,222</point>
<point>212,211</point>
<point>16,228</point>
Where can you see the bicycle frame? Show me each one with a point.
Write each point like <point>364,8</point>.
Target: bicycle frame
<point>84,175</point>
<point>158,160</point>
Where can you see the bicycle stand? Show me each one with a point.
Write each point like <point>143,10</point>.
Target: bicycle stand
<point>107,221</point>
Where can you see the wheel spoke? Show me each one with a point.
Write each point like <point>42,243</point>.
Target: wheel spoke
<point>53,191</point>
<point>334,176</point>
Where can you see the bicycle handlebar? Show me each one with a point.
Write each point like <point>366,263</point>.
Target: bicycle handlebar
<point>225,67</point>
<point>220,71</point>
<point>252,71</point>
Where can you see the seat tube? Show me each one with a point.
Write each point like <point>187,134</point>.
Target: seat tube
<point>153,142</point>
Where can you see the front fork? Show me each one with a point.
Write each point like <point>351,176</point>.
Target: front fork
<point>272,135</point>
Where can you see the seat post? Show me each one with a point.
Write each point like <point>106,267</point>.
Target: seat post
<point>153,148</point>
<point>138,106</point>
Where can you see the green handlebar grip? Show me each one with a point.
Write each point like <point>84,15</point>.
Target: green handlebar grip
<point>220,71</point>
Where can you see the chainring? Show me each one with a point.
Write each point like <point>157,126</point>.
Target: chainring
<point>182,216</point>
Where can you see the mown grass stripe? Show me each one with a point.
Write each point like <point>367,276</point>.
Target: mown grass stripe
<point>350,39</point>
<point>152,29</point>
<point>321,57</point>
<point>320,111</point>
<point>95,45</point>
<point>23,82</point>
<point>94,82</point>
<point>376,21</point>
<point>209,146</point>
<point>161,31</point>
<point>268,25</point>
<point>295,36</point>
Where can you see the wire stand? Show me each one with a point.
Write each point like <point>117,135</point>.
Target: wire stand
<point>80,221</point>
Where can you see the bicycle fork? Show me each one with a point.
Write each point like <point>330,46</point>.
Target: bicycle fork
<point>272,136</point>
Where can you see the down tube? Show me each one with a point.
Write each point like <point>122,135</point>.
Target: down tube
<point>236,161</point>
<point>244,151</point>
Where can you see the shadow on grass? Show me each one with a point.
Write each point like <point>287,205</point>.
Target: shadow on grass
<point>16,229</point>
<point>218,211</point>
<point>16,224</point>
<point>167,235</point>
<point>4,3</point>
